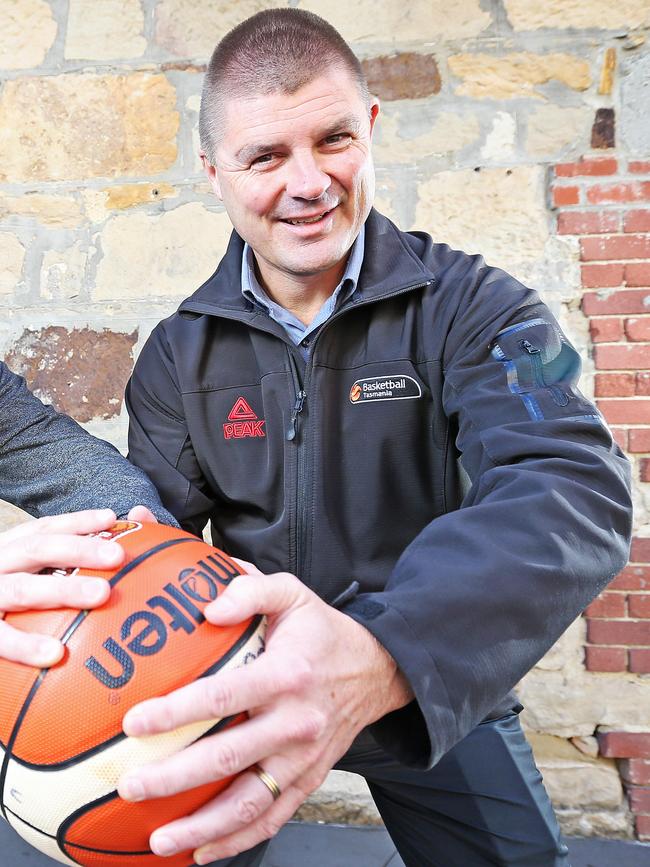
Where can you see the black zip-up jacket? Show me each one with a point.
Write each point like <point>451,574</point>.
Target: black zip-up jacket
<point>434,448</point>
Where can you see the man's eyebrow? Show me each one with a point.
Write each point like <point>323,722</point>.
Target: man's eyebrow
<point>248,153</point>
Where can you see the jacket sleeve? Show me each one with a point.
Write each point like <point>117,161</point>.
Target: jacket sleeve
<point>159,442</point>
<point>485,590</point>
<point>49,464</point>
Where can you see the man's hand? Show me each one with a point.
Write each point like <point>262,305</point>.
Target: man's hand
<point>55,542</point>
<point>322,678</point>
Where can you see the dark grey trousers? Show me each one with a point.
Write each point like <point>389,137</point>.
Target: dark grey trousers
<point>482,805</point>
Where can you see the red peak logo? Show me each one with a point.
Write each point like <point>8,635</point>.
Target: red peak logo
<point>243,422</point>
<point>241,411</point>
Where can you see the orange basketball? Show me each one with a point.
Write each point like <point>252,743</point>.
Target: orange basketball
<point>61,740</point>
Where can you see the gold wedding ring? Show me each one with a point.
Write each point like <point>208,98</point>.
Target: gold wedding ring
<point>269,781</point>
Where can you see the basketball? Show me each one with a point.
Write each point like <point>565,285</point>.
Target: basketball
<point>61,740</point>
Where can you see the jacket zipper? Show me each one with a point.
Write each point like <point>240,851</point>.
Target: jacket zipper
<point>301,391</point>
<point>560,398</point>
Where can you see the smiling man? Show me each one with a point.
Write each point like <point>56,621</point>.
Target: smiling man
<point>391,431</point>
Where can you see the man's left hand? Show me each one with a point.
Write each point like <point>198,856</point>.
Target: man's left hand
<point>322,679</point>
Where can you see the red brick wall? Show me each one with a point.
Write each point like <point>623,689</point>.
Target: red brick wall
<point>605,202</point>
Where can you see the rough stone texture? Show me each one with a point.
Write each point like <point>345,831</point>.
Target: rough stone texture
<point>27,33</point>
<point>596,823</point>
<point>402,76</point>
<point>552,129</point>
<point>61,211</point>
<point>111,29</point>
<point>192,28</point>
<point>182,249</point>
<point>394,20</point>
<point>404,140</point>
<point>635,106</point>
<point>80,372</point>
<point>62,273</point>
<point>76,126</point>
<point>560,14</point>
<point>472,211</point>
<point>11,515</point>
<point>343,797</point>
<point>603,132</point>
<point>519,74</point>
<point>125,196</point>
<point>607,73</point>
<point>500,142</point>
<point>12,256</point>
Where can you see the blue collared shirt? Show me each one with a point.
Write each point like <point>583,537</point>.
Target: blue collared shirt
<point>297,330</point>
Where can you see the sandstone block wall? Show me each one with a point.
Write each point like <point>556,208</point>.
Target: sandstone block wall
<point>514,128</point>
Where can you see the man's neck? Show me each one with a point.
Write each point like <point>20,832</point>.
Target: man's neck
<point>302,295</point>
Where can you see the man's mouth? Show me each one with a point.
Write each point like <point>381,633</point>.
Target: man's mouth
<point>304,220</point>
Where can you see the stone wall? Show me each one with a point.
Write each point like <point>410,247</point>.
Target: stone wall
<point>511,127</point>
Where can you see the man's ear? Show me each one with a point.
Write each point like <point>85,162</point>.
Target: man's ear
<point>374,111</point>
<point>211,172</point>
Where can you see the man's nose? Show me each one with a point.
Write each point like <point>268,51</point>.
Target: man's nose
<point>306,179</point>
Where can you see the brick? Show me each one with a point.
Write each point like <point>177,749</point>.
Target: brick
<point>624,745</point>
<point>622,356</point>
<point>639,605</point>
<point>644,470</point>
<point>637,274</point>
<point>639,440</point>
<point>625,411</point>
<point>597,166</point>
<point>605,658</point>
<point>615,385</point>
<point>641,167</point>
<point>603,276</point>
<point>636,191</point>
<point>565,196</point>
<point>620,435</point>
<point>640,551</point>
<point>635,771</point>
<point>607,605</point>
<point>642,827</point>
<point>640,664</point>
<point>639,797</point>
<point>632,577</point>
<point>588,222</point>
<point>636,221</point>
<point>627,301</point>
<point>616,247</point>
<point>642,383</point>
<point>631,633</point>
<point>638,329</point>
<point>606,330</point>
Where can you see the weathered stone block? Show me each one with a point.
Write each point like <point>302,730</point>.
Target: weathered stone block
<point>635,106</point>
<point>473,211</point>
<point>127,195</point>
<point>63,272</point>
<point>562,14</point>
<point>168,255</point>
<point>488,77</point>
<point>603,132</point>
<point>12,256</point>
<point>552,129</point>
<point>11,515</point>
<point>27,33</point>
<point>62,211</point>
<point>80,372</point>
<point>577,822</point>
<point>112,30</point>
<point>400,139</point>
<point>343,798</point>
<point>402,76</point>
<point>80,126</point>
<point>394,20</point>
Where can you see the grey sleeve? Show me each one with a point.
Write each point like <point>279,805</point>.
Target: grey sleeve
<point>49,464</point>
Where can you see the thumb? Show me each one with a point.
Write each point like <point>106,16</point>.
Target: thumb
<point>247,595</point>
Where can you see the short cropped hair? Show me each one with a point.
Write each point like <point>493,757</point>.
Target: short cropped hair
<point>277,50</point>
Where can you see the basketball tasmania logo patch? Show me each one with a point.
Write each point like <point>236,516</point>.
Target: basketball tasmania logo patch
<point>243,422</point>
<point>376,388</point>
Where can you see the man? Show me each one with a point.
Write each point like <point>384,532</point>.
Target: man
<point>399,426</point>
<point>49,465</point>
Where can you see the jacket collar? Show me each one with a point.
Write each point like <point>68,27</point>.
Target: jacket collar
<point>393,261</point>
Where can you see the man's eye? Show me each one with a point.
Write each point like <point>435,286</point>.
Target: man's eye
<point>265,158</point>
<point>337,138</point>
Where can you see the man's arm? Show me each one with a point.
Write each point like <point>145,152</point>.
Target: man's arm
<point>49,464</point>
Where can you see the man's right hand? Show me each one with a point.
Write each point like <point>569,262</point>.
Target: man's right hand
<point>58,542</point>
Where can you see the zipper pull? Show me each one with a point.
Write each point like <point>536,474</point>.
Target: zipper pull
<point>530,349</point>
<point>297,408</point>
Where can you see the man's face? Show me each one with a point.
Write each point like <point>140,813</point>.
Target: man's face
<point>295,174</point>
